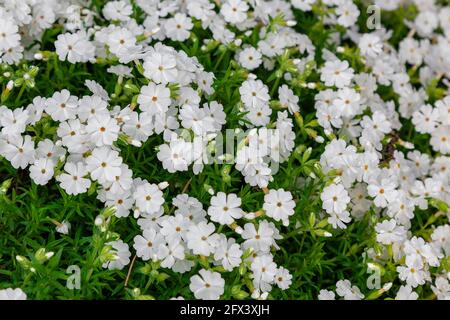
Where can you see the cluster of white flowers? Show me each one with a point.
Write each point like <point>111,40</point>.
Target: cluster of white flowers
<point>85,150</point>
<point>177,101</point>
<point>12,294</point>
<point>188,232</point>
<point>344,289</point>
<point>31,18</point>
<point>84,153</point>
<point>369,174</point>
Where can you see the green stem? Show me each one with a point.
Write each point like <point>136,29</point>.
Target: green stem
<point>302,242</point>
<point>27,279</point>
<point>275,86</point>
<point>222,55</point>
<point>293,233</point>
<point>22,89</point>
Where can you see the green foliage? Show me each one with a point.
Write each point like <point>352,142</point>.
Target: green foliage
<point>28,213</point>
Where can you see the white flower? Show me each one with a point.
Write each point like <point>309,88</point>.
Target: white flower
<point>406,293</point>
<point>335,198</point>
<point>9,37</point>
<point>175,228</point>
<point>175,156</point>
<point>12,294</point>
<point>205,81</point>
<point>178,27</point>
<point>14,122</point>
<point>420,162</point>
<point>429,253</point>
<point>254,93</point>
<point>75,47</point>
<point>338,220</point>
<point>20,151</point>
<point>443,107</point>
<point>426,119</point>
<point>345,289</point>
<point>264,269</point>
<point>103,130</point>
<point>283,278</point>
<point>260,239</point>
<point>192,117</point>
<point>47,149</point>
<point>63,227</point>
<point>384,192</point>
<point>74,181</point>
<point>412,272</point>
<point>201,238</point>
<point>154,98</point>
<point>214,110</point>
<point>336,73</point>
<point>96,89</point>
<point>62,106</point>
<point>149,220</point>
<point>104,164</point>
<point>117,10</point>
<point>122,182</point>
<point>326,295</point>
<point>148,244</point>
<point>304,5</point>
<point>250,58</point>
<point>148,197</point>
<point>225,208</point>
<point>374,129</point>
<point>348,102</point>
<point>288,99</point>
<point>161,67</point>
<point>207,285</point>
<point>72,134</point>
<point>90,106</point>
<point>234,11</point>
<point>387,122</point>
<point>36,109</point>
<point>389,232</point>
<point>189,207</point>
<point>426,22</point>
<point>440,140</point>
<point>411,51</point>
<point>121,201</point>
<point>347,13</point>
<point>228,253</point>
<point>370,45</point>
<point>441,238</point>
<point>170,252</point>
<point>202,10</point>
<point>41,171</point>
<point>122,43</point>
<point>121,71</point>
<point>279,205</point>
<point>441,288</point>
<point>182,266</point>
<point>259,115</point>
<point>121,255</point>
<point>139,127</point>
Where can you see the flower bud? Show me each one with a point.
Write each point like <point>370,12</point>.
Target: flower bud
<point>320,139</point>
<point>42,255</point>
<point>291,23</point>
<point>98,221</point>
<point>163,185</point>
<point>5,186</point>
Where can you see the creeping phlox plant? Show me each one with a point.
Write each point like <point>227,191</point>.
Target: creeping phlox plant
<point>229,149</point>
